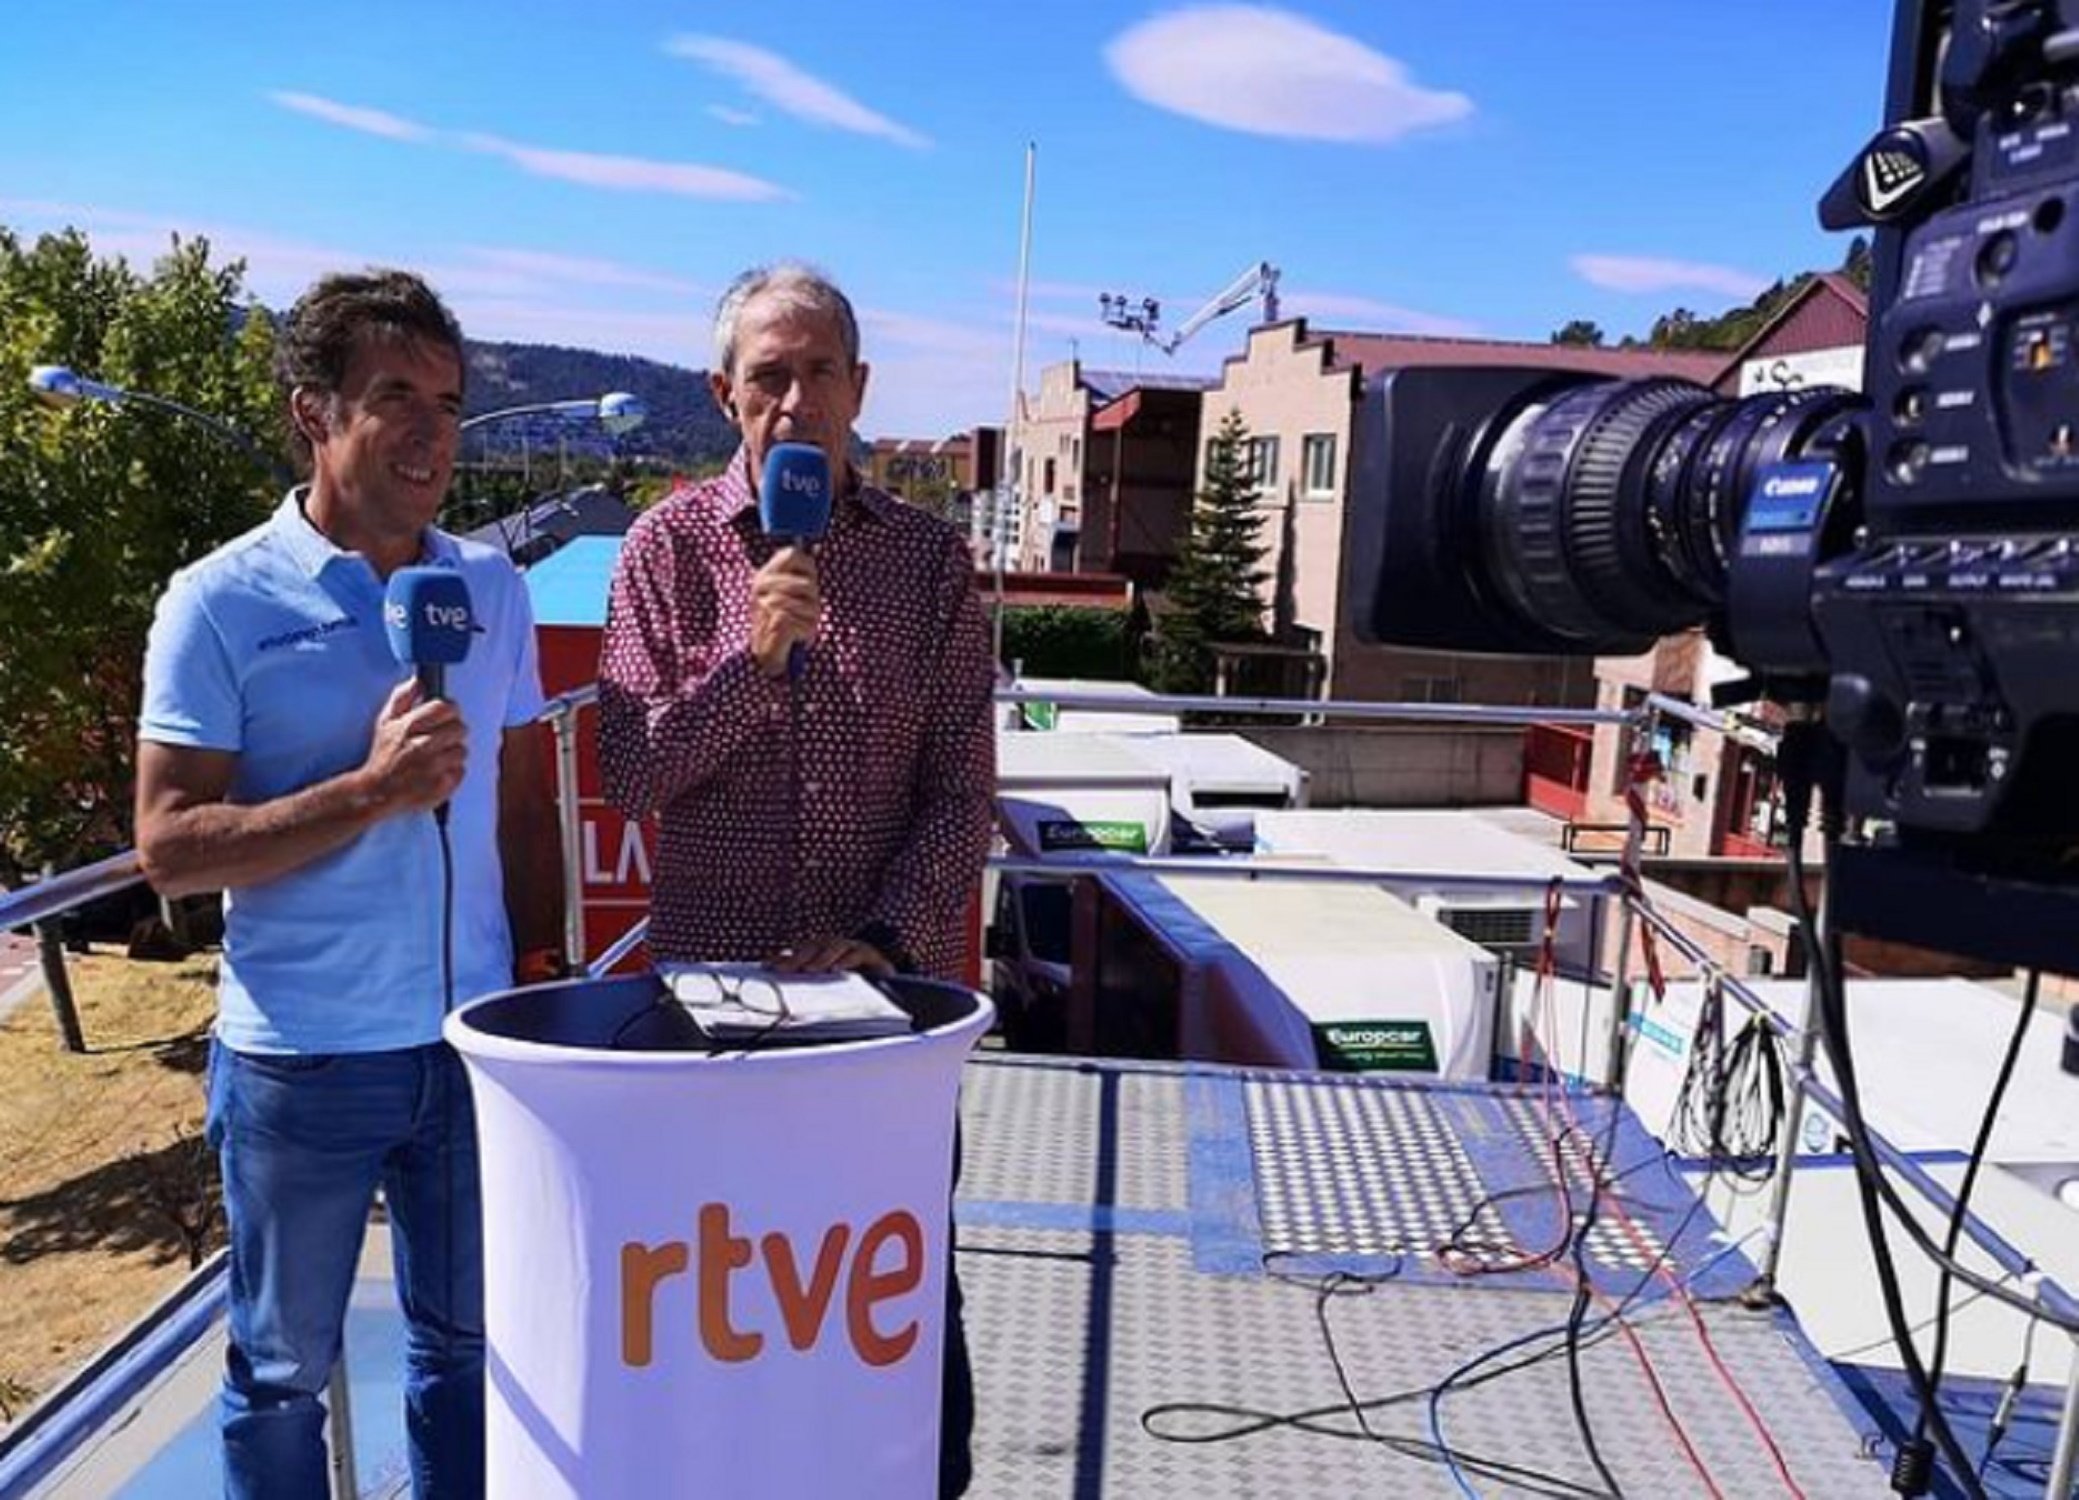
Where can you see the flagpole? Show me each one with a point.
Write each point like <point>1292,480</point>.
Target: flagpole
<point>1011,458</point>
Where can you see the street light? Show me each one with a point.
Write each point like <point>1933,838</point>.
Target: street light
<point>616,411</point>
<point>59,386</point>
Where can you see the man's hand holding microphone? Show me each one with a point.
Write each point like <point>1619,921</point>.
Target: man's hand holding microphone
<point>786,595</point>
<point>421,745</point>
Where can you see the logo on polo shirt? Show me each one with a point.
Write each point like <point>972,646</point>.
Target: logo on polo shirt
<point>307,634</point>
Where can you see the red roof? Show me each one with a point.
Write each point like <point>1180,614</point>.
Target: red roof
<point>1087,590</point>
<point>1376,352</point>
<point>1828,312</point>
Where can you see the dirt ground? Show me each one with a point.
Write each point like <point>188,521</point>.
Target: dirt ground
<point>106,1189</point>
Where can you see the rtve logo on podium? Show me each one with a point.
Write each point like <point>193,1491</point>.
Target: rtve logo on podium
<point>895,1238</point>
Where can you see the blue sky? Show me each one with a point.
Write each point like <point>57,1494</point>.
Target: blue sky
<point>580,172</point>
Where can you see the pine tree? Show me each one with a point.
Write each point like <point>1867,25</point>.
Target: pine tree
<point>1215,589</point>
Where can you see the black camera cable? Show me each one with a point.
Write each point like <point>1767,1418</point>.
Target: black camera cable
<point>1803,745</point>
<point>1961,1210</point>
<point>1731,1106</point>
<point>447,1004</point>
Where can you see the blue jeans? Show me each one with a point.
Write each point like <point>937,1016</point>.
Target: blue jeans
<point>303,1142</point>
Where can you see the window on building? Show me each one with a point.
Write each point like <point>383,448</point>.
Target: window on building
<point>1261,465</point>
<point>1048,487</point>
<point>1317,458</point>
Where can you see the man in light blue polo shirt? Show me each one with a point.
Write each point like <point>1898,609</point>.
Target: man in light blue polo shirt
<point>286,758</point>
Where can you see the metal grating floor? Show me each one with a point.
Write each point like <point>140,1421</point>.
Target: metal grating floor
<point>1363,1172</point>
<point>1144,1324</point>
<point>1113,1231</point>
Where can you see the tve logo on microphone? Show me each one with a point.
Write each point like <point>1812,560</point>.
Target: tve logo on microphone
<point>794,493</point>
<point>427,617</point>
<point>426,612</point>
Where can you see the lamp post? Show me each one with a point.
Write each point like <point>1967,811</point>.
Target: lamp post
<point>617,411</point>
<point>60,386</point>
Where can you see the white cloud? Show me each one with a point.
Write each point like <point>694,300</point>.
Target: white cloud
<point>583,270</point>
<point>1051,291</point>
<point>352,116</point>
<point>497,292</point>
<point>1068,323</point>
<point>939,335</point>
<point>278,268</point>
<point>1642,273</point>
<point>786,87</point>
<point>621,173</point>
<point>678,338</point>
<point>1265,71</point>
<point>1354,313</point>
<point>629,173</point>
<point>728,116</point>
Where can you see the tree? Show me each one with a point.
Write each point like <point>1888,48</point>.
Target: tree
<point>1215,588</point>
<point>1856,264</point>
<point>927,484</point>
<point>100,505</point>
<point>1580,332</point>
<point>182,1189</point>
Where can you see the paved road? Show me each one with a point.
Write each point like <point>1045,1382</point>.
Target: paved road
<point>19,976</point>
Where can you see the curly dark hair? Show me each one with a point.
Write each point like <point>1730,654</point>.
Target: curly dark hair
<point>318,339</point>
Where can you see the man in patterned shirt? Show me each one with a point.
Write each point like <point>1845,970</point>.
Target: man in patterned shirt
<point>842,822</point>
<point>895,744</point>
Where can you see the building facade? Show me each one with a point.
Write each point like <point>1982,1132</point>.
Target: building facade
<point>941,474</point>
<point>1105,466</point>
<point>1298,392</point>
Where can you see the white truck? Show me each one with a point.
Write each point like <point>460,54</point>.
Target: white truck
<point>1510,921</point>
<point>1059,794</point>
<point>1219,784</point>
<point>1282,973</point>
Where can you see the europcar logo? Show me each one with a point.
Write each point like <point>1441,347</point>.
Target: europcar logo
<point>1403,1046</point>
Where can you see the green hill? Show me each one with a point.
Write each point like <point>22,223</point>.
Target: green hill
<point>683,425</point>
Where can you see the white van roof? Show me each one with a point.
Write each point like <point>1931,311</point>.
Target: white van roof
<point>1095,720</point>
<point>1463,843</point>
<point>1220,762</point>
<point>1037,758</point>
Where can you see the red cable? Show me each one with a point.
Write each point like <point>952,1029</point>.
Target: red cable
<point>1660,1395</point>
<point>1644,769</point>
<point>1703,1333</point>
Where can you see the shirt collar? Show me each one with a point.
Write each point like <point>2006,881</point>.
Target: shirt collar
<point>313,551</point>
<point>740,490</point>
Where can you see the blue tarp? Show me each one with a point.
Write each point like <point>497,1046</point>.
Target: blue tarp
<point>568,587</point>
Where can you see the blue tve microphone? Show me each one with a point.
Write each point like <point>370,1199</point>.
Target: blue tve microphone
<point>427,617</point>
<point>794,506</point>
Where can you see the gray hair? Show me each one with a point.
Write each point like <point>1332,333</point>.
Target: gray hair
<point>795,286</point>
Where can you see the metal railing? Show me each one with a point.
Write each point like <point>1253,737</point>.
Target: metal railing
<point>50,898</point>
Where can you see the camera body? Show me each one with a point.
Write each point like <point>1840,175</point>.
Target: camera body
<point>1908,558</point>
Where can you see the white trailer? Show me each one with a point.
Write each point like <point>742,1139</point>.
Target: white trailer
<point>1059,794</point>
<point>1285,973</point>
<point>1219,785</point>
<point>1044,715</point>
<point>1507,921</point>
